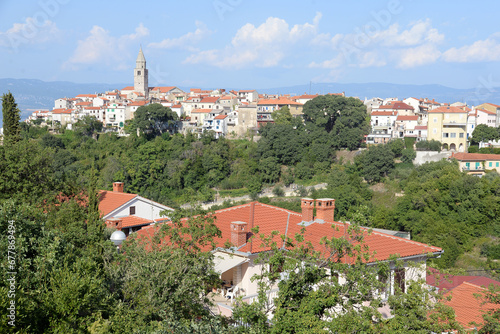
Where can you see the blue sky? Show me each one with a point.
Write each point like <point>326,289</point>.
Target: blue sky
<point>253,44</point>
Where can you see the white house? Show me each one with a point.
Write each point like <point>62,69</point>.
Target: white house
<point>129,212</point>
<point>115,115</point>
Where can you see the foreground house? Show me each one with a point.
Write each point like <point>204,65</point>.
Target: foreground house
<point>237,264</point>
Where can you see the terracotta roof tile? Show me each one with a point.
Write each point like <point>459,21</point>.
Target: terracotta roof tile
<point>270,218</point>
<point>467,307</point>
<point>109,200</point>
<point>447,110</point>
<point>475,156</point>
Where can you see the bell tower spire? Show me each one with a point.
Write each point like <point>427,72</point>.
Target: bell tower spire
<point>141,75</point>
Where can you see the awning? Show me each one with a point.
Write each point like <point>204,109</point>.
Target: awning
<point>225,261</point>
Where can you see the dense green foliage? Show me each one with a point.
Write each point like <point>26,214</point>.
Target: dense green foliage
<point>70,278</point>
<point>154,119</point>
<point>11,117</point>
<point>484,133</point>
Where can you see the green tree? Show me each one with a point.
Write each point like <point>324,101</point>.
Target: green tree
<point>88,126</point>
<point>154,119</point>
<point>11,118</point>
<point>375,163</point>
<point>484,133</point>
<point>344,118</point>
<point>282,115</point>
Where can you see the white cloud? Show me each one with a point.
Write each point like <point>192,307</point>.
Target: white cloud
<point>32,31</point>
<point>102,48</point>
<point>329,64</point>
<point>418,56</point>
<point>262,46</point>
<point>368,46</point>
<point>479,51</point>
<point>185,41</point>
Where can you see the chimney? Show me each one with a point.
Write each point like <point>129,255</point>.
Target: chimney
<point>117,187</point>
<point>114,223</point>
<point>307,205</point>
<point>238,233</point>
<point>325,208</point>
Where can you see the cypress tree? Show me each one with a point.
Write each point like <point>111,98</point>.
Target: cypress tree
<point>11,118</point>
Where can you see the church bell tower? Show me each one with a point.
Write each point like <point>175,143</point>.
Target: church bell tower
<point>141,75</point>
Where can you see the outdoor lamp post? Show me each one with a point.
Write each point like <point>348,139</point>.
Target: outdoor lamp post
<point>117,237</point>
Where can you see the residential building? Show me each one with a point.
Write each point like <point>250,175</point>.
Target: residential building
<point>397,107</point>
<point>270,105</point>
<point>486,117</point>
<point>248,95</point>
<point>115,115</point>
<point>382,124</point>
<point>129,212</point>
<point>477,163</point>
<point>491,107</point>
<point>405,126</point>
<point>448,125</point>
<point>237,263</point>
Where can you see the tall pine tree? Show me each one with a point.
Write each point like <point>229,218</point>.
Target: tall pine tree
<point>11,118</point>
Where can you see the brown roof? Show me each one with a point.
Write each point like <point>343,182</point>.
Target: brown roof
<point>279,101</point>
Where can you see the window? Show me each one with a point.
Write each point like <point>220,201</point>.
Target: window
<point>460,135</point>
<point>138,72</point>
<point>434,131</point>
<point>132,210</point>
<point>399,279</point>
<point>453,135</point>
<point>435,120</point>
<point>467,165</point>
<point>445,135</point>
<point>490,164</point>
<point>497,164</point>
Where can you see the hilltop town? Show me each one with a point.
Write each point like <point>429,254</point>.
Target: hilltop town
<point>235,114</point>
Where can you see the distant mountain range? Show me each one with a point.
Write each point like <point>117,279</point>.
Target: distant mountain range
<point>31,94</point>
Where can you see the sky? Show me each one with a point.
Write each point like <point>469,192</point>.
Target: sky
<point>244,44</point>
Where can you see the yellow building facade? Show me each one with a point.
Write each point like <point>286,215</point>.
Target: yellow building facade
<point>448,125</point>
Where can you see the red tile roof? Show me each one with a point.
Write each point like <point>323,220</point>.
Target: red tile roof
<point>407,118</point>
<point>279,101</point>
<point>86,95</point>
<point>130,221</point>
<point>421,127</point>
<point>382,113</point>
<point>210,99</point>
<point>270,218</point>
<point>109,200</point>
<point>447,110</point>
<point>305,96</point>
<point>62,111</point>
<point>396,105</point>
<point>128,88</point>
<point>220,116</point>
<point>201,111</point>
<point>467,307</point>
<point>475,156</point>
<point>449,282</point>
<point>138,103</point>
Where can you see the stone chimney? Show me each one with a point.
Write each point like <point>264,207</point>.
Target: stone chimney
<point>307,205</point>
<point>238,233</point>
<point>325,208</point>
<point>114,223</point>
<point>117,187</point>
